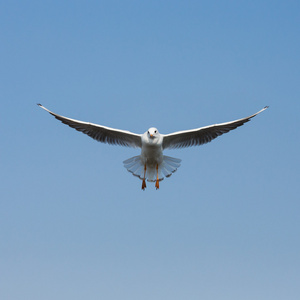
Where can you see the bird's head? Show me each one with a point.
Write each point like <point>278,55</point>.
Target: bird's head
<point>152,133</point>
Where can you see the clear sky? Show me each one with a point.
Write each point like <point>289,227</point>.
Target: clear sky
<point>74,224</point>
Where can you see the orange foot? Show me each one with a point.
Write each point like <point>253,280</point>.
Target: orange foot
<point>157,179</point>
<point>143,185</point>
<point>157,184</point>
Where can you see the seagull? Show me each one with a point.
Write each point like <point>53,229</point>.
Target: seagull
<point>152,165</point>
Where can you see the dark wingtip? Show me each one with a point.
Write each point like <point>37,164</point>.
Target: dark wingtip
<point>266,107</point>
<point>39,104</point>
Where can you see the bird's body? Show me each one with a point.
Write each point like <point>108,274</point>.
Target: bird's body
<point>152,150</point>
<point>152,165</point>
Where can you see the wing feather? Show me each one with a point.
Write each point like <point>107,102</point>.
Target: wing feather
<point>100,133</point>
<point>203,135</point>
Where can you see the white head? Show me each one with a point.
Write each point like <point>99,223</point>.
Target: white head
<point>152,133</point>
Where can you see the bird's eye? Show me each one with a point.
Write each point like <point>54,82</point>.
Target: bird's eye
<point>155,131</point>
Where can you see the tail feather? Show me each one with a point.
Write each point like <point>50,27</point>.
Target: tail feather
<point>168,166</point>
<point>134,165</point>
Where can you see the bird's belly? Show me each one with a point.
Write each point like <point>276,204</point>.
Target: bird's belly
<point>152,155</point>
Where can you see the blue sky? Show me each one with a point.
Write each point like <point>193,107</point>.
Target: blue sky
<point>74,224</point>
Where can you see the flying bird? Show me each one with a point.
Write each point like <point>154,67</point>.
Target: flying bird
<point>152,165</point>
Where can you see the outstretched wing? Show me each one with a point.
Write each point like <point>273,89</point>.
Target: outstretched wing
<point>101,133</point>
<point>203,135</point>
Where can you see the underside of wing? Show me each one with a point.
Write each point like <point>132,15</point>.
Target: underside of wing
<point>203,135</point>
<point>101,133</point>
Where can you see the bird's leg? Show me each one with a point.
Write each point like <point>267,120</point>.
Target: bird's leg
<point>157,179</point>
<point>144,179</point>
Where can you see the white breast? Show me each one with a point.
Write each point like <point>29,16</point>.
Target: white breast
<point>152,152</point>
